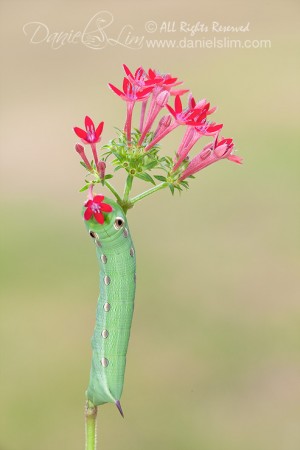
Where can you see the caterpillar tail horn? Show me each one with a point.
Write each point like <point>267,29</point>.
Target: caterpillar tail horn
<point>118,405</point>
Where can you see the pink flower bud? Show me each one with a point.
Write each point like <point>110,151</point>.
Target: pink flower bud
<point>165,121</point>
<point>205,153</point>
<point>162,98</point>
<point>163,124</point>
<point>101,169</point>
<point>79,149</point>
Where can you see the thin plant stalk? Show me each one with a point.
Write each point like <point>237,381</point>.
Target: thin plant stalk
<point>143,111</point>
<point>128,187</point>
<point>130,106</point>
<point>90,426</point>
<point>112,189</point>
<point>148,192</point>
<point>94,150</point>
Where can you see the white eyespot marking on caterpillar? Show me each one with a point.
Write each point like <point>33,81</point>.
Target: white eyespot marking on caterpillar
<point>106,307</point>
<point>125,233</point>
<point>104,334</point>
<point>119,222</point>
<point>132,252</point>
<point>104,259</point>
<point>104,362</point>
<point>94,235</point>
<point>98,243</point>
<point>106,280</point>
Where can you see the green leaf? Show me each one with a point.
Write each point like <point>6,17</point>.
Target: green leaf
<point>117,155</point>
<point>145,177</point>
<point>84,188</point>
<point>160,177</point>
<point>151,165</point>
<point>178,188</point>
<point>171,188</point>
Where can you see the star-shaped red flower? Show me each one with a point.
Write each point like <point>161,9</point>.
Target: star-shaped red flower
<point>131,92</point>
<point>96,208</point>
<point>90,135</point>
<point>192,116</point>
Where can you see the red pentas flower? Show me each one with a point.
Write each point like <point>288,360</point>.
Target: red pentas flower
<point>90,135</point>
<point>164,82</point>
<point>155,77</point>
<point>131,92</point>
<point>190,116</point>
<point>138,78</point>
<point>95,208</point>
<point>210,154</point>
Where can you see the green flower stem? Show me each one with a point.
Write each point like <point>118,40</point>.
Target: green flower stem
<point>149,192</point>
<point>128,187</point>
<point>90,426</point>
<point>112,189</point>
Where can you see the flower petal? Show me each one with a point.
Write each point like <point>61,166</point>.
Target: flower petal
<point>80,133</point>
<point>127,87</point>
<point>151,73</point>
<point>105,207</point>
<point>99,129</point>
<point>127,71</point>
<point>89,124</point>
<point>98,198</point>
<point>220,150</point>
<point>170,80</point>
<point>99,217</point>
<point>88,214</point>
<point>116,90</point>
<point>178,91</point>
<point>235,158</point>
<point>178,104</point>
<point>227,141</point>
<point>139,73</point>
<point>171,110</point>
<point>214,128</point>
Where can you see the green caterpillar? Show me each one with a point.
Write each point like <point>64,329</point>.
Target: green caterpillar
<point>116,256</point>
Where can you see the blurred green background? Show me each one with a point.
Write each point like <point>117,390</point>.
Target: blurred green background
<point>214,356</point>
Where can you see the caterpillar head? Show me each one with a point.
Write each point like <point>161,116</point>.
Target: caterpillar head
<point>104,218</point>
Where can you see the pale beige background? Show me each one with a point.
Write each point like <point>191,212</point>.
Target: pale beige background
<point>213,362</point>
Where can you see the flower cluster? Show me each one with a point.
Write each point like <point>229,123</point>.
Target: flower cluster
<point>137,150</point>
